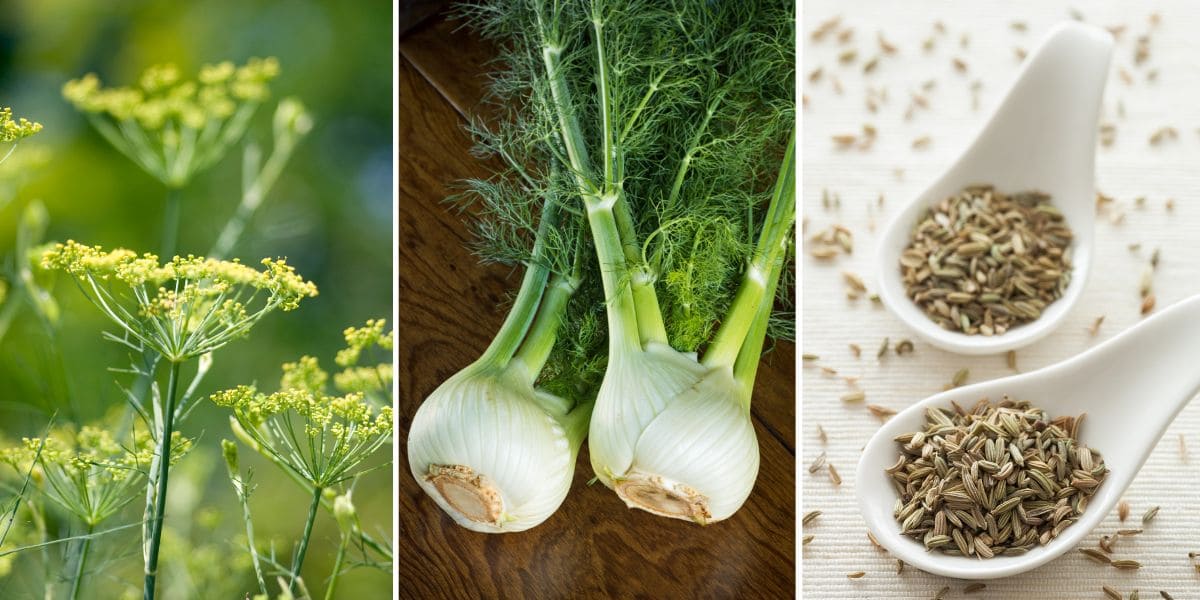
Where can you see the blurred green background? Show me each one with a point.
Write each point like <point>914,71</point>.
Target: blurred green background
<point>330,215</point>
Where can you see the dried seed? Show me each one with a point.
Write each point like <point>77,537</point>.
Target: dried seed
<point>821,435</point>
<point>921,143</point>
<point>1111,593</point>
<point>883,348</point>
<point>960,377</point>
<point>899,566</point>
<point>854,397</point>
<point>881,412</point>
<point>904,346</point>
<point>855,350</point>
<point>833,475</point>
<point>1123,510</point>
<point>1165,595</point>
<point>1095,328</point>
<point>817,463</point>
<point>806,539</point>
<point>1128,531</point>
<point>856,575</point>
<point>1096,555</point>
<point>810,357</point>
<point>1154,258</point>
<point>1149,515</point>
<point>809,516</point>
<point>1126,564</point>
<point>942,593</point>
<point>974,587</point>
<point>874,542</point>
<point>1147,304</point>
<point>1011,359</point>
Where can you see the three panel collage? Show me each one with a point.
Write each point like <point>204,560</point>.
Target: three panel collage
<point>453,299</point>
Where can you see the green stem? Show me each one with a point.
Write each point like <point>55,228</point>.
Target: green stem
<point>170,223</point>
<point>542,335</point>
<point>249,441</point>
<point>772,242</point>
<point>337,567</point>
<point>745,368</point>
<point>243,496</point>
<point>253,194</point>
<point>524,309</point>
<point>164,469</point>
<point>308,526</point>
<point>83,553</point>
<point>623,334</point>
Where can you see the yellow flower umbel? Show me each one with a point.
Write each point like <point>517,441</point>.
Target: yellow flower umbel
<point>12,130</point>
<point>374,381</point>
<point>174,127</point>
<point>88,473</point>
<point>184,308</point>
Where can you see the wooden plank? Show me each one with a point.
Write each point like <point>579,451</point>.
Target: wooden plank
<point>593,546</point>
<point>452,58</point>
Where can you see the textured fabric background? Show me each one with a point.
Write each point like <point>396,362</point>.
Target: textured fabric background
<point>1130,168</point>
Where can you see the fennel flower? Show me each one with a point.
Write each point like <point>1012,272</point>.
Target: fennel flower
<point>12,130</point>
<point>174,127</point>
<point>183,308</point>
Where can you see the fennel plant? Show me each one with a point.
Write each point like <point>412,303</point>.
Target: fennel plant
<point>671,119</point>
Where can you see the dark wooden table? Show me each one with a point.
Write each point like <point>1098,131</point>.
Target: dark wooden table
<point>450,306</point>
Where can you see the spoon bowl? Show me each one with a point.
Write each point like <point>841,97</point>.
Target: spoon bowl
<point>1131,388</point>
<point>1041,137</point>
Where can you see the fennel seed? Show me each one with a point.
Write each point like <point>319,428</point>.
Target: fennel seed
<point>1095,328</point>
<point>942,593</point>
<point>960,377</point>
<point>856,575</point>
<point>1149,515</point>
<point>953,478</point>
<point>1128,532</point>
<point>883,348</point>
<point>855,350</point>
<point>817,463</point>
<point>904,347</point>
<point>881,412</point>
<point>806,539</point>
<point>921,143</point>
<point>1123,510</point>
<point>1010,358</point>
<point>982,262</point>
<point>809,516</point>
<point>1127,564</point>
<point>975,587</point>
<point>1165,595</point>
<point>1147,304</point>
<point>1112,593</point>
<point>834,476</point>
<point>810,357</point>
<point>854,397</point>
<point>821,435</point>
<point>1096,555</point>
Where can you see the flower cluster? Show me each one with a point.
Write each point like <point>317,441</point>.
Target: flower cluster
<point>367,379</point>
<point>88,472</point>
<point>322,438</point>
<point>183,308</point>
<point>171,126</point>
<point>12,130</point>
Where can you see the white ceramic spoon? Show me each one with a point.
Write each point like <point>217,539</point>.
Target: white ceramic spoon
<point>1041,137</point>
<point>1131,388</point>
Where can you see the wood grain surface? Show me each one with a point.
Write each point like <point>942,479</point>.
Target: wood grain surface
<point>450,306</point>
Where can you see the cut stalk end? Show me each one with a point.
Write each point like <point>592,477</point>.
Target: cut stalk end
<point>653,494</point>
<point>469,494</point>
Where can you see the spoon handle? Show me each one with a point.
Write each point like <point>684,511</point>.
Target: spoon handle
<point>1045,128</point>
<point>1143,377</point>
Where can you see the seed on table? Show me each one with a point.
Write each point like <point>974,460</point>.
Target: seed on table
<point>817,463</point>
<point>1126,564</point>
<point>1128,531</point>
<point>883,348</point>
<point>821,435</point>
<point>942,593</point>
<point>833,475</point>
<point>960,377</point>
<point>1111,593</point>
<point>974,587</point>
<point>1150,514</point>
<point>1011,359</point>
<point>904,347</point>
<point>810,357</point>
<point>856,575</point>
<point>855,350</point>
<point>1096,555</point>
<point>1147,304</point>
<point>806,539</point>
<point>1165,595</point>
<point>809,516</point>
<point>1123,510</point>
<point>854,397</point>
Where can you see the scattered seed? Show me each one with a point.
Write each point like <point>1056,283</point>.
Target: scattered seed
<point>899,566</point>
<point>847,57</point>
<point>959,65</point>
<point>1111,593</point>
<point>975,587</point>
<point>855,350</point>
<point>1147,304</point>
<point>810,357</point>
<point>1170,204</point>
<point>1149,516</point>
<point>1020,53</point>
<point>854,397</point>
<point>1128,531</point>
<point>1096,555</point>
<point>904,346</point>
<point>883,348</point>
<point>921,143</point>
<point>1163,134</point>
<point>960,377</point>
<point>1165,595</point>
<point>874,542</point>
<point>1154,258</point>
<point>942,593</point>
<point>854,282</point>
<point>1010,358</point>
<point>834,476</point>
<point>1019,26</point>
<point>856,575</point>
<point>871,64</point>
<point>1126,564</point>
<point>1095,328</point>
<point>815,75</point>
<point>886,46</point>
<point>881,412</point>
<point>817,463</point>
<point>821,435</point>
<point>830,371</point>
<point>1134,595</point>
<point>1123,510</point>
<point>809,516</point>
<point>825,28</point>
<point>806,539</point>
